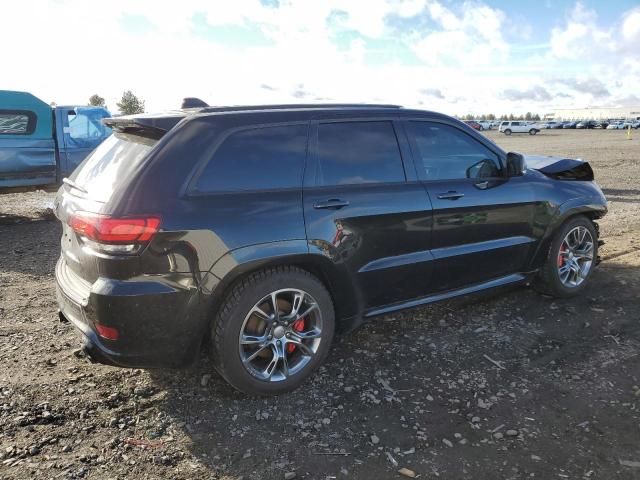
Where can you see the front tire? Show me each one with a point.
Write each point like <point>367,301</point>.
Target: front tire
<point>571,259</point>
<point>533,131</point>
<point>273,330</point>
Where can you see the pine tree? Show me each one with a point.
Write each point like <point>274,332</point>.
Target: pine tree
<point>129,104</point>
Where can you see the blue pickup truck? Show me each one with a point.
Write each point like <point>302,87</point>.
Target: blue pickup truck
<point>40,144</point>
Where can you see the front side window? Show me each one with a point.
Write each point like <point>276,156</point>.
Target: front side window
<point>257,159</point>
<point>447,153</point>
<point>358,152</point>
<point>17,122</point>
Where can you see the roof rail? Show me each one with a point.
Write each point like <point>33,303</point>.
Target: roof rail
<point>295,106</point>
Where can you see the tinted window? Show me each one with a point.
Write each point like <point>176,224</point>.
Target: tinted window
<point>358,152</point>
<point>17,122</point>
<point>257,159</point>
<point>448,153</point>
<point>114,160</point>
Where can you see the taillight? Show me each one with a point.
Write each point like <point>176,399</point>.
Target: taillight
<point>108,333</point>
<point>114,235</point>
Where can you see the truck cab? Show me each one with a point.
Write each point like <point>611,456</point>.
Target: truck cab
<point>40,144</point>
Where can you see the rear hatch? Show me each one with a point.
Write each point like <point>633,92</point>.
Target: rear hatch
<point>93,239</point>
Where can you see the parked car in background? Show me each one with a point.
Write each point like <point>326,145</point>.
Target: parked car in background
<point>550,124</point>
<point>168,235</point>
<point>569,124</point>
<point>473,124</point>
<point>617,125</point>
<point>631,123</point>
<point>586,124</point>
<point>518,127</point>
<point>486,125</point>
<point>40,145</point>
<point>602,124</point>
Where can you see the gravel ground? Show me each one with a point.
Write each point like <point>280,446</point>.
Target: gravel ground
<point>510,386</point>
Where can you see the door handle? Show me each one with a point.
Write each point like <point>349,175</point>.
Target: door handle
<point>333,203</point>
<point>450,195</point>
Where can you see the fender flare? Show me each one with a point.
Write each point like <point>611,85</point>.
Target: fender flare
<point>240,262</point>
<point>591,206</point>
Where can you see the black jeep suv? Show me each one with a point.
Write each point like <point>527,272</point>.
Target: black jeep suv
<point>267,228</point>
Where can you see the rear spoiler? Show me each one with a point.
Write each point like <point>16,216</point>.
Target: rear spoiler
<point>145,126</point>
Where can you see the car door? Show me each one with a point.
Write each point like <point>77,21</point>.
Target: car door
<point>482,219</point>
<point>366,212</point>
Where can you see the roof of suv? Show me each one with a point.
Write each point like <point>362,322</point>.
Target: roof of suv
<point>160,123</point>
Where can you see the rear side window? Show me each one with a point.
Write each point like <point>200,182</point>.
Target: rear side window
<point>114,160</point>
<point>257,159</point>
<point>17,122</point>
<point>447,153</point>
<point>358,152</point>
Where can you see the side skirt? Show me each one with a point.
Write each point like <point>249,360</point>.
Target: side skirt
<point>513,279</point>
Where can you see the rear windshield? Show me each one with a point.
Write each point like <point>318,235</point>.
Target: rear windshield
<point>113,160</point>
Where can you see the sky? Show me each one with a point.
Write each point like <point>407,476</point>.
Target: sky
<point>455,57</point>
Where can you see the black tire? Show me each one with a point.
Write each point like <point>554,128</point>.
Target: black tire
<point>507,132</point>
<point>548,280</point>
<point>481,128</point>
<point>225,331</point>
<point>533,131</point>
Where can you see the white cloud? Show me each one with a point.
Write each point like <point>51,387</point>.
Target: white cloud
<point>473,38</point>
<point>75,48</point>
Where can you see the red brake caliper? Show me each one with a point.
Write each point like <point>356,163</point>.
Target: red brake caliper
<point>561,255</point>
<point>298,326</point>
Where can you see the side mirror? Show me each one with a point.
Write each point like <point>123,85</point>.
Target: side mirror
<point>515,164</point>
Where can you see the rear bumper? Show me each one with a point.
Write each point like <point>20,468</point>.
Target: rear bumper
<point>159,323</point>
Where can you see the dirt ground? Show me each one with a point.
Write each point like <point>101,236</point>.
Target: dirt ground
<point>510,386</point>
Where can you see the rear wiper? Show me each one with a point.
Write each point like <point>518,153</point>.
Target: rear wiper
<point>72,184</point>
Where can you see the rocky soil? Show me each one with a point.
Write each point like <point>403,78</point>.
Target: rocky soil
<point>510,386</point>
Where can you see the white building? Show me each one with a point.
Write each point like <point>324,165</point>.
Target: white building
<point>595,113</point>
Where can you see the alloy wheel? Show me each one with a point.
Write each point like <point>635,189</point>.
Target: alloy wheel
<point>575,256</point>
<point>280,335</point>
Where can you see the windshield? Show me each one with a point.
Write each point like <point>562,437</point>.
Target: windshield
<point>114,160</point>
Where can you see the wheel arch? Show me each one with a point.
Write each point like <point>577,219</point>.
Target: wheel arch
<point>565,213</point>
<point>239,264</point>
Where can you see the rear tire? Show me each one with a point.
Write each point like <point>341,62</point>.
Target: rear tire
<point>550,279</point>
<point>257,353</point>
<point>507,132</point>
<point>533,131</point>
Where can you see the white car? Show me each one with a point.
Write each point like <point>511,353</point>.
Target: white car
<point>631,123</point>
<point>486,125</point>
<point>518,127</point>
<point>615,126</point>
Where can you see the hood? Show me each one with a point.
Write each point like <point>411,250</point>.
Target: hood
<point>560,168</point>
